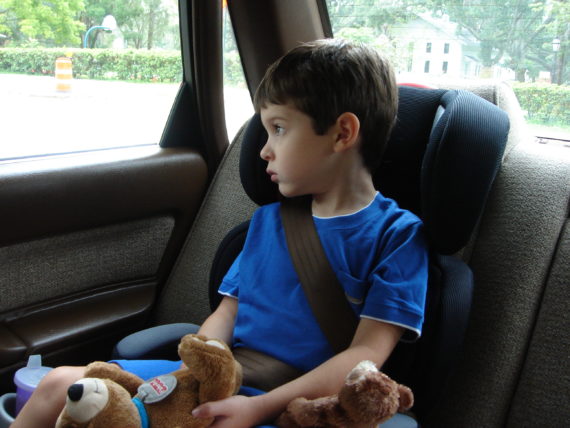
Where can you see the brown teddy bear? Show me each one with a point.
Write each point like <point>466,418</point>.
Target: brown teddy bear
<point>104,398</point>
<point>367,398</point>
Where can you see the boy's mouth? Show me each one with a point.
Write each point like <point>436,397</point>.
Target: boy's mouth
<point>272,175</point>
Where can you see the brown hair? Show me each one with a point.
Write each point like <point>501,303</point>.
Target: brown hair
<point>326,78</point>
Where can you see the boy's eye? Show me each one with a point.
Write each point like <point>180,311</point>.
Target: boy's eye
<point>278,130</point>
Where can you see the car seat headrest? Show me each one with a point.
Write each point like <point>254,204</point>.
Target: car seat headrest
<point>254,179</point>
<point>440,162</point>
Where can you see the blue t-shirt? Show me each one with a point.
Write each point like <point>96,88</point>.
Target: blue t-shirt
<point>378,254</point>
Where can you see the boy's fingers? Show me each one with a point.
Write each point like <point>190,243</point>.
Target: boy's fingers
<point>207,410</point>
<point>201,411</point>
<point>222,409</point>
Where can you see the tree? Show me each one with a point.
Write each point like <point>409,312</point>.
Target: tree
<point>51,23</point>
<point>372,22</point>
<point>143,22</point>
<point>559,31</point>
<point>380,15</point>
<point>510,32</point>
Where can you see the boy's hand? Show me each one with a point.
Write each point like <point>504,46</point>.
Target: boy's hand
<point>237,411</point>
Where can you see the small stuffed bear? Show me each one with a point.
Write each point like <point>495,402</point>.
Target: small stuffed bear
<point>104,398</point>
<point>367,398</point>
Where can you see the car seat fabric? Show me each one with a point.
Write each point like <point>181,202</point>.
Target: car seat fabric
<point>185,295</point>
<point>225,255</point>
<point>459,155</point>
<point>504,373</point>
<point>427,364</point>
<point>399,173</point>
<point>544,387</point>
<point>252,169</point>
<point>512,259</point>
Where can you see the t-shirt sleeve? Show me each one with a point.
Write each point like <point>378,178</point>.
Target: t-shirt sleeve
<point>399,282</point>
<point>230,283</point>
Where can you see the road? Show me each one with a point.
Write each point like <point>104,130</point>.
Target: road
<point>36,119</point>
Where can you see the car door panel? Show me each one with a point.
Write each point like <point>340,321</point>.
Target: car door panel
<point>55,195</point>
<point>86,242</point>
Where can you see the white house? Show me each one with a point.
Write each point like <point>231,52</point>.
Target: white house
<point>434,47</point>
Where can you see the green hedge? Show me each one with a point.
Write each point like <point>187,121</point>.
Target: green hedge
<point>233,72</point>
<point>137,65</point>
<point>133,65</point>
<point>544,103</point>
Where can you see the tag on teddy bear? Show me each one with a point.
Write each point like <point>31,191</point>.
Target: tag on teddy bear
<point>156,389</point>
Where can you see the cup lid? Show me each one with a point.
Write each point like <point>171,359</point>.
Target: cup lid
<point>30,376</point>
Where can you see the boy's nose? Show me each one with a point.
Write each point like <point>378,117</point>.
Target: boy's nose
<point>265,152</point>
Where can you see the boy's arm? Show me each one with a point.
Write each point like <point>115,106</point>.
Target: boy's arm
<point>220,324</point>
<point>373,340</point>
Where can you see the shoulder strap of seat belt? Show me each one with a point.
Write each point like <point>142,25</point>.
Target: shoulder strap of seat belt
<point>320,284</point>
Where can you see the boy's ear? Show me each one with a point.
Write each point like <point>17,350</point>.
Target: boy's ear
<point>348,131</point>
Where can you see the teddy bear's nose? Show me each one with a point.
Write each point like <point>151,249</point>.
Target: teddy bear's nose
<point>75,392</point>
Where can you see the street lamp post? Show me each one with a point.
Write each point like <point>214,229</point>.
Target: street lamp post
<point>555,72</point>
<point>95,27</point>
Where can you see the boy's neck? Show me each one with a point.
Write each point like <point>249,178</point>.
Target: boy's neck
<point>351,193</point>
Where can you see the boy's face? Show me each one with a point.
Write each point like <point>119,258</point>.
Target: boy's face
<point>299,161</point>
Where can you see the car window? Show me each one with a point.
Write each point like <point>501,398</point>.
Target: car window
<point>86,74</point>
<point>525,43</point>
<point>237,100</point>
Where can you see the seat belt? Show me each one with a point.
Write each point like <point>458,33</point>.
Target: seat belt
<point>320,284</point>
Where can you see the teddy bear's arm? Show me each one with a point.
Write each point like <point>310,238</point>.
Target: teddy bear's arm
<point>213,365</point>
<point>406,398</point>
<point>301,413</point>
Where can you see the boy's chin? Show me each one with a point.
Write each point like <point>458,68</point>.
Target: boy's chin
<point>289,192</point>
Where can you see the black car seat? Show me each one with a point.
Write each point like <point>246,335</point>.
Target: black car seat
<point>440,163</point>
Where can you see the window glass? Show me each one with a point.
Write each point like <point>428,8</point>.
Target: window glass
<point>81,75</point>
<point>237,100</point>
<point>427,39</point>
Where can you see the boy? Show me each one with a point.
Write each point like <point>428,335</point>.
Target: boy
<point>328,108</point>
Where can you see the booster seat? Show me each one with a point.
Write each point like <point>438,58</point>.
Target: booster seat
<point>439,163</point>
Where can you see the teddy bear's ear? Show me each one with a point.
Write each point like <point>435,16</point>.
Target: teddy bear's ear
<point>103,370</point>
<point>406,398</point>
